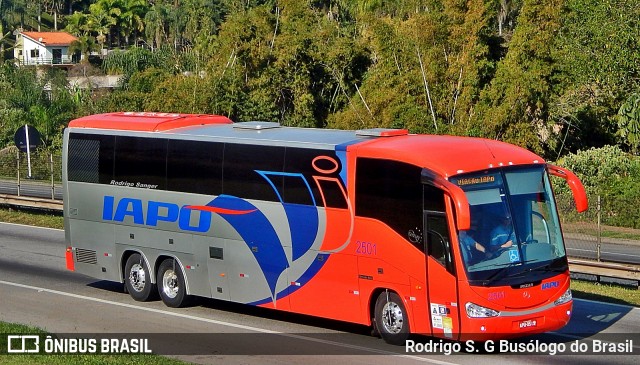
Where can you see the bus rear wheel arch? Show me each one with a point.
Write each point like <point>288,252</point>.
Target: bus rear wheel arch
<point>391,319</point>
<point>171,283</point>
<point>137,278</point>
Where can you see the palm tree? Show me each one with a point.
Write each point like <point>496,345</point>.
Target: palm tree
<point>102,17</point>
<point>156,23</point>
<point>54,6</point>
<point>77,24</point>
<point>85,44</point>
<point>11,12</point>
<point>131,18</point>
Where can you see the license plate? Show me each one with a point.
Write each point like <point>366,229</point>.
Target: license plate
<point>528,323</point>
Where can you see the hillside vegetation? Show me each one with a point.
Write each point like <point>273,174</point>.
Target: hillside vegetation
<point>559,77</point>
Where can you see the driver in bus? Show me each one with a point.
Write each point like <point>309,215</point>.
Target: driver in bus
<point>503,235</point>
<point>472,246</point>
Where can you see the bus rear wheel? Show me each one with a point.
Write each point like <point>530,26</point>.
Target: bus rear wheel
<point>391,318</point>
<point>171,284</point>
<point>138,278</point>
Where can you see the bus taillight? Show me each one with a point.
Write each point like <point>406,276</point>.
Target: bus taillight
<point>69,257</point>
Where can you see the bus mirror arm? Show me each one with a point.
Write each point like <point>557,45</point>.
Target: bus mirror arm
<point>579,194</point>
<point>460,202</point>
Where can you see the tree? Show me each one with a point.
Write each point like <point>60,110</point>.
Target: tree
<point>54,7</point>
<point>515,106</point>
<point>131,18</point>
<point>156,24</point>
<point>23,98</point>
<point>85,44</point>
<point>427,67</point>
<point>469,62</point>
<point>597,54</point>
<point>629,121</point>
<point>10,18</point>
<point>104,18</point>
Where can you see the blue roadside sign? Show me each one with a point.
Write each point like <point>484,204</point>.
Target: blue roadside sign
<point>27,136</point>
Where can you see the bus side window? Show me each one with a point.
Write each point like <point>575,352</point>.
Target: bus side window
<point>90,158</point>
<point>296,189</point>
<point>391,191</point>
<point>438,242</point>
<point>195,167</point>
<point>242,164</point>
<point>141,160</point>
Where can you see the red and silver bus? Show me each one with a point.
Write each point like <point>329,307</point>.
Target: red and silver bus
<point>452,237</point>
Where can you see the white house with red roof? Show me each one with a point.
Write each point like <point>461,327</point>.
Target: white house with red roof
<point>44,48</point>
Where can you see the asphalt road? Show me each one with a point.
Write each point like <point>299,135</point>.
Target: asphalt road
<point>36,289</point>
<point>610,251</point>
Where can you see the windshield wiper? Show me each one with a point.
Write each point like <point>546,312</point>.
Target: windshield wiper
<point>546,266</point>
<point>501,273</point>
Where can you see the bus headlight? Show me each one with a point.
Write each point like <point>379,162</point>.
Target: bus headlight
<point>477,311</point>
<point>564,298</point>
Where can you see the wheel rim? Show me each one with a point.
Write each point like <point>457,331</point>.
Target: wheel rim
<point>392,317</point>
<point>137,277</point>
<point>170,285</point>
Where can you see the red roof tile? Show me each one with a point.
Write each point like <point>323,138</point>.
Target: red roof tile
<point>51,38</point>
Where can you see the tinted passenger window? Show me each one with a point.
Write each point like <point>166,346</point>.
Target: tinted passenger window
<point>141,162</point>
<point>248,171</point>
<point>195,167</point>
<point>90,158</point>
<point>300,161</point>
<point>433,199</point>
<point>391,192</point>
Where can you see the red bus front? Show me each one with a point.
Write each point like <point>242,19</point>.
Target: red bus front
<point>515,279</point>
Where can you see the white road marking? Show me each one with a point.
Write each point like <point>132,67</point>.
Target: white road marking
<point>222,323</point>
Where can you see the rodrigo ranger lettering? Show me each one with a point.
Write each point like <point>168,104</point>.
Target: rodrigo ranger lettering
<point>130,184</point>
<point>121,183</point>
<point>146,186</point>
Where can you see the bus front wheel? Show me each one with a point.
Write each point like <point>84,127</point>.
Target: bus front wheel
<point>391,318</point>
<point>138,278</point>
<point>171,284</point>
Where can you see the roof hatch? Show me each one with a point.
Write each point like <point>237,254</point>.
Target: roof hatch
<point>257,125</point>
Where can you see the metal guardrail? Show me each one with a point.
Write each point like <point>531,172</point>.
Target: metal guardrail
<point>31,202</point>
<point>599,270</point>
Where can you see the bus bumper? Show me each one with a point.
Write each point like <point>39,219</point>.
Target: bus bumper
<point>516,325</point>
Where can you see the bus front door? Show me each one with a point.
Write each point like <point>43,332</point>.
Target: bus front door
<point>442,285</point>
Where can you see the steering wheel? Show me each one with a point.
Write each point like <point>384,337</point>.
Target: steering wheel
<point>496,252</point>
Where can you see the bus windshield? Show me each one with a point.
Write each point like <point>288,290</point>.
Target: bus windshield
<point>515,233</point>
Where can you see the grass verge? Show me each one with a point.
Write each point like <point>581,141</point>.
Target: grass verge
<point>605,293</point>
<point>31,217</point>
<point>55,359</point>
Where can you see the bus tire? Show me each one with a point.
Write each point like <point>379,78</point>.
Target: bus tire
<point>391,318</point>
<point>171,284</point>
<point>138,279</point>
